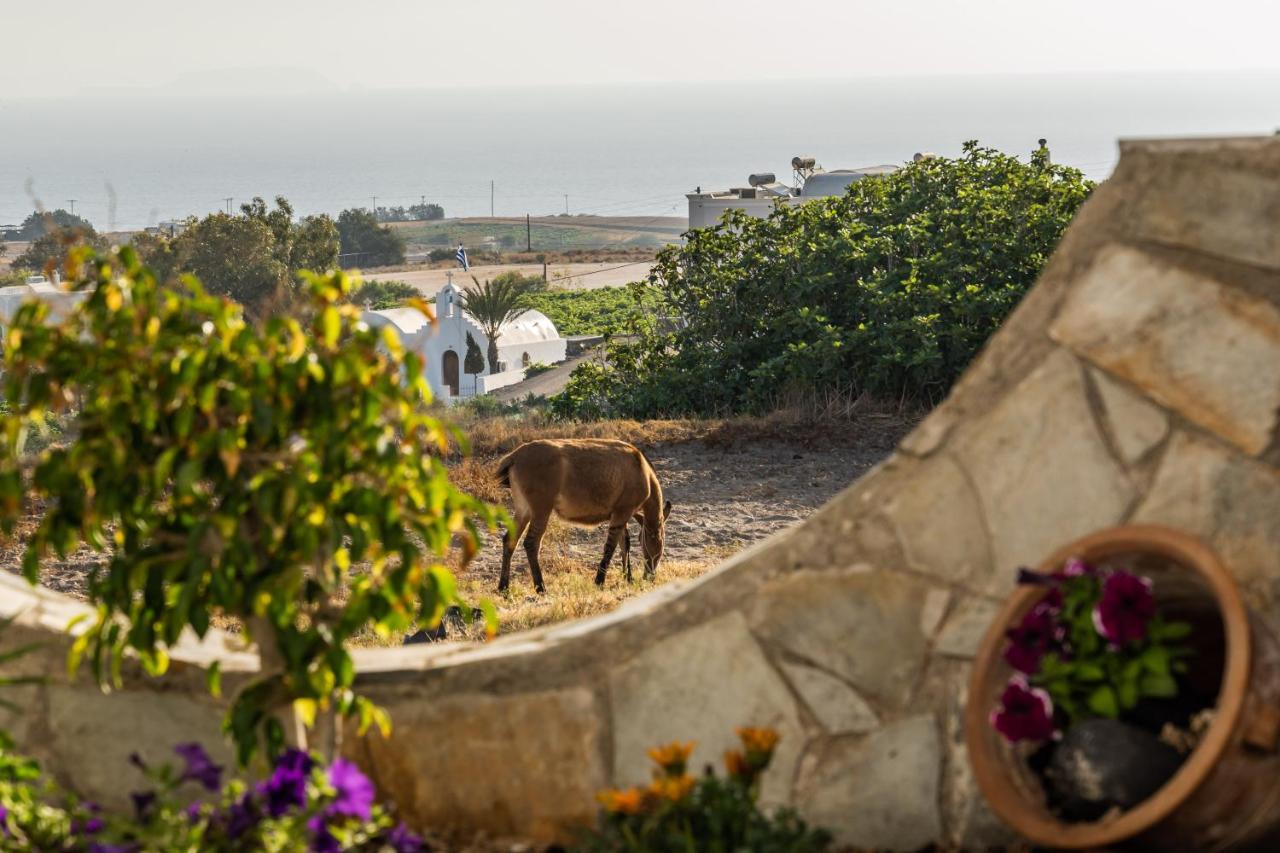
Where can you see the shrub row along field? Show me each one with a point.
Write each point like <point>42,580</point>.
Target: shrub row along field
<point>890,289</point>
<point>605,311</point>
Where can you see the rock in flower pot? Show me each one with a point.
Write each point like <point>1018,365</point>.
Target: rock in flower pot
<point>1165,590</point>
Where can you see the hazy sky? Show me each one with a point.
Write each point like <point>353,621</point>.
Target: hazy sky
<point>241,45</point>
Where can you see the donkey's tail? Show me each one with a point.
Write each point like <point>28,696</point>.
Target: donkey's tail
<point>503,473</point>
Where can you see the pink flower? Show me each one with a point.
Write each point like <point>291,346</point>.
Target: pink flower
<point>1030,639</point>
<point>1076,568</point>
<point>1025,712</point>
<point>1126,606</point>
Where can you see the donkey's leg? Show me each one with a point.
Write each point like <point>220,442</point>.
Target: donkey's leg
<point>617,529</point>
<point>532,543</point>
<point>509,547</point>
<point>626,552</point>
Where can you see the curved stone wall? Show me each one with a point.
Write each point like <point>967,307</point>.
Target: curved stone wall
<point>1138,381</point>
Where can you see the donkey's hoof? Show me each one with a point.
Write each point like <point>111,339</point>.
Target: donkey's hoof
<point>540,590</point>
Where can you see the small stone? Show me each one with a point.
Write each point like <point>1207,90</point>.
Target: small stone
<point>878,792</point>
<point>938,521</point>
<point>964,631</point>
<point>1136,424</point>
<point>1103,764</point>
<point>837,706</point>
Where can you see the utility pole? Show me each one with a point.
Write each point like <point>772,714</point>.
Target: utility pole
<point>375,205</point>
<point>72,202</point>
<point>566,204</point>
<point>228,200</point>
<point>491,199</point>
<point>528,234</point>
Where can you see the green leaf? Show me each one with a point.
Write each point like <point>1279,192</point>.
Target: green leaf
<point>1160,686</point>
<point>1103,702</point>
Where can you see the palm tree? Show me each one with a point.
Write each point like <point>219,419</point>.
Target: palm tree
<point>492,305</point>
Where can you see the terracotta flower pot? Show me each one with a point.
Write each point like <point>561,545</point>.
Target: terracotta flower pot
<point>1226,794</point>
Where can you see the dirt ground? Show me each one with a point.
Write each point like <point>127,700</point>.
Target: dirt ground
<point>731,483</point>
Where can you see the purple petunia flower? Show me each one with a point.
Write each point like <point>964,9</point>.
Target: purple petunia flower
<point>1029,640</point>
<point>287,787</point>
<point>200,767</point>
<point>143,802</point>
<point>112,848</point>
<point>401,840</point>
<point>4,820</point>
<point>322,840</point>
<point>354,790</point>
<point>1126,606</point>
<point>241,817</point>
<point>1025,712</point>
<point>193,812</point>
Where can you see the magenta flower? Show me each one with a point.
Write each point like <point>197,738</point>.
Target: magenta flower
<point>1126,606</point>
<point>1075,568</point>
<point>200,767</point>
<point>1025,712</point>
<point>1030,639</point>
<point>354,790</point>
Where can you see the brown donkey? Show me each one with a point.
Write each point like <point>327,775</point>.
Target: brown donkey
<point>585,481</point>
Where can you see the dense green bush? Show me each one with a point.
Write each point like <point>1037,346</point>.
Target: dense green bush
<point>253,258</point>
<point>606,311</point>
<point>381,295</point>
<point>366,243</point>
<point>235,470</point>
<point>890,289</point>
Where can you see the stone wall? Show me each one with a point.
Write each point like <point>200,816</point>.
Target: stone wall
<point>1139,381</point>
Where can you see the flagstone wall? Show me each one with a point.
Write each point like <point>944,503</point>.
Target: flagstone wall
<point>1138,381</point>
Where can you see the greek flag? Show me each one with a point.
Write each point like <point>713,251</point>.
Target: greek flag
<point>462,258</point>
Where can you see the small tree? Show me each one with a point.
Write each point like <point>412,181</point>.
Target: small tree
<point>235,470</point>
<point>492,305</point>
<point>369,243</point>
<point>473,361</point>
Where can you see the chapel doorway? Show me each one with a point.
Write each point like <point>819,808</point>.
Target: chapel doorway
<point>451,371</point>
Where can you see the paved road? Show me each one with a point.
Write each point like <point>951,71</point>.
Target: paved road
<point>544,384</point>
<point>564,276</point>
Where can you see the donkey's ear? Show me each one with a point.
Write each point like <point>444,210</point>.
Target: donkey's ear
<point>666,510</point>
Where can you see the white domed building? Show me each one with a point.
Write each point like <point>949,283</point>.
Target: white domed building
<point>528,339</point>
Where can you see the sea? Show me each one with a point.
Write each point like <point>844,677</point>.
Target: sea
<point>133,158</point>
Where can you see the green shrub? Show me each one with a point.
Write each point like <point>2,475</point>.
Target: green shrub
<point>676,813</point>
<point>604,311</point>
<point>537,367</point>
<point>238,470</point>
<point>891,289</point>
<point>381,295</point>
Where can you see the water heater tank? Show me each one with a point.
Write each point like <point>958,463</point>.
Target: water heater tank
<point>761,178</point>
<point>803,162</point>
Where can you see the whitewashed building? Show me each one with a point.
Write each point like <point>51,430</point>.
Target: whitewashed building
<point>38,288</point>
<point>764,191</point>
<point>529,339</point>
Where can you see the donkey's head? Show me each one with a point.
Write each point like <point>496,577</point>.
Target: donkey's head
<point>653,537</point>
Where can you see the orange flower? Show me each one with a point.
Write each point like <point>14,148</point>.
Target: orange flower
<point>736,763</point>
<point>673,788</point>
<point>758,740</point>
<point>672,758</point>
<point>622,801</point>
